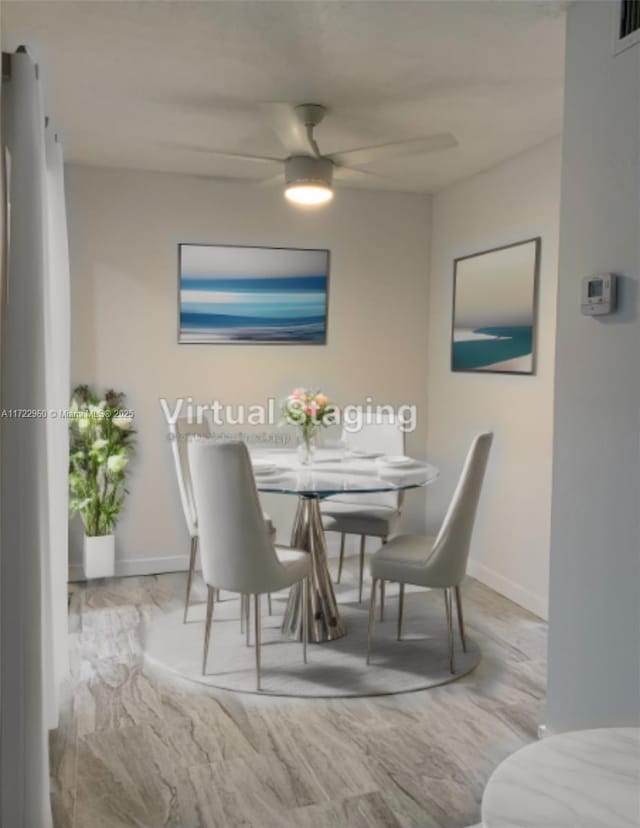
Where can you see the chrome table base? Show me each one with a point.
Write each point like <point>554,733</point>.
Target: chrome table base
<point>324,619</point>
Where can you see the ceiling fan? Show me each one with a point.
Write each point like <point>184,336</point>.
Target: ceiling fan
<point>308,173</point>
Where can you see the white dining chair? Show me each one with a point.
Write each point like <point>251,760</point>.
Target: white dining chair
<point>180,433</point>
<point>440,562</point>
<point>374,515</point>
<point>236,548</point>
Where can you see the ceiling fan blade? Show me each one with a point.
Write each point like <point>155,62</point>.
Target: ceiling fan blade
<point>347,174</point>
<point>385,152</point>
<point>286,124</point>
<point>232,156</point>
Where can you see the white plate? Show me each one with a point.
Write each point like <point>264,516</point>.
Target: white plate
<point>396,460</point>
<point>261,467</point>
<point>268,479</point>
<point>365,455</point>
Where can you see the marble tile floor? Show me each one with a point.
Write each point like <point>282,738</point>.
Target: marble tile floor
<point>133,751</point>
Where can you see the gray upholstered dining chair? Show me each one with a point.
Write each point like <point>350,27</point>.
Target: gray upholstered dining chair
<point>376,515</point>
<point>440,562</point>
<point>236,547</point>
<point>179,435</point>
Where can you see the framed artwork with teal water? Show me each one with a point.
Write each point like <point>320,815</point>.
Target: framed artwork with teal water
<point>494,309</point>
<point>252,295</point>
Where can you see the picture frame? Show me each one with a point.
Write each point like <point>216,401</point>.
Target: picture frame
<point>252,295</point>
<point>495,309</point>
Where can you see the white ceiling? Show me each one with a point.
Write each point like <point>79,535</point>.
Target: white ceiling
<point>129,79</point>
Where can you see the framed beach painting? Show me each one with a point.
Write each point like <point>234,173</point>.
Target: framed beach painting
<point>252,295</point>
<point>494,309</point>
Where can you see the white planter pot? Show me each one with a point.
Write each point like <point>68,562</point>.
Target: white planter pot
<point>98,556</point>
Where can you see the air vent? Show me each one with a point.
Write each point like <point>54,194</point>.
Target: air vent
<point>629,18</point>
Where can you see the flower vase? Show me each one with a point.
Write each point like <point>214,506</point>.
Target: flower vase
<point>98,556</point>
<point>306,448</point>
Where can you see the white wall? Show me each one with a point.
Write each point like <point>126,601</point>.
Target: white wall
<point>516,200</point>
<point>594,632</point>
<point>124,228</point>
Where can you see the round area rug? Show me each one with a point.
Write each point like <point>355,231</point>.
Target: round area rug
<point>334,669</point>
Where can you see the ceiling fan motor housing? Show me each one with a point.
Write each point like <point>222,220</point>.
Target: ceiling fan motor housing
<point>305,169</point>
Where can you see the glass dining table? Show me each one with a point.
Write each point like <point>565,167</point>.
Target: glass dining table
<point>333,472</point>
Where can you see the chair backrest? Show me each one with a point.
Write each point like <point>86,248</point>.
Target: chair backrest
<point>235,545</point>
<point>448,560</point>
<point>385,436</point>
<point>179,435</point>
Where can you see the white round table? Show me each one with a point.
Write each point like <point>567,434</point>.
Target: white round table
<point>583,779</point>
<point>333,472</point>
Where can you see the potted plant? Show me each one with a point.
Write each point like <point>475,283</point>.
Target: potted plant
<point>309,411</point>
<point>101,437</point>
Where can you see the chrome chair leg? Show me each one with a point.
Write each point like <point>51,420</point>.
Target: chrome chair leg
<point>372,617</point>
<point>207,627</point>
<point>247,618</point>
<point>269,607</point>
<point>242,613</point>
<point>256,599</point>
<point>363,540</point>
<point>384,540</point>
<point>400,611</point>
<point>463,637</point>
<point>192,566</point>
<point>341,559</point>
<point>305,618</point>
<point>448,606</point>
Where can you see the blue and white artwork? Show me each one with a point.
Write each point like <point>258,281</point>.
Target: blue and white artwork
<point>494,310</point>
<point>253,295</point>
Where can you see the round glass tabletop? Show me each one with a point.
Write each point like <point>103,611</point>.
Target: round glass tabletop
<point>335,472</point>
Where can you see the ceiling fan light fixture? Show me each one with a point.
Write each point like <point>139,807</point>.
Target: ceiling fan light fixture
<point>309,193</point>
<point>308,180</point>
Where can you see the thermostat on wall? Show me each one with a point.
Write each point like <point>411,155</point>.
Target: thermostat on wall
<point>598,294</point>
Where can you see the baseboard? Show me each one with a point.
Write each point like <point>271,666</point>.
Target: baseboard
<point>139,566</point>
<point>516,593</point>
<point>176,563</point>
